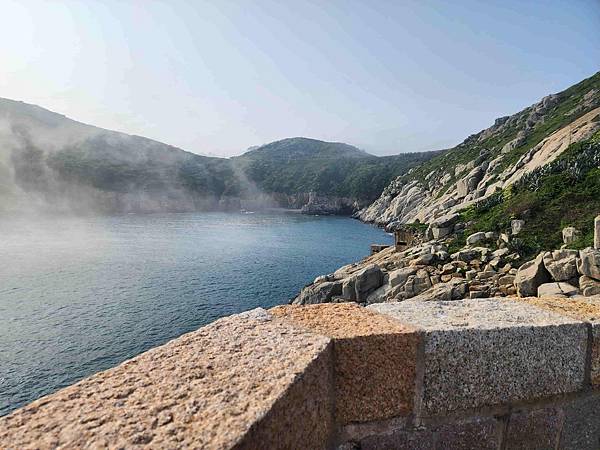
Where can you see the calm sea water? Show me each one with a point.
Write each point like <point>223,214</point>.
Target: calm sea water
<point>81,295</point>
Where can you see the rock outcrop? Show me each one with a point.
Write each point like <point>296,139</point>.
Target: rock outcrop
<point>484,268</point>
<point>489,161</point>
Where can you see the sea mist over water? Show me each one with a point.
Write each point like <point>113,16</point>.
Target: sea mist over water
<point>51,164</point>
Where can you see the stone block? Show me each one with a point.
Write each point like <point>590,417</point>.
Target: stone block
<point>246,381</point>
<point>492,351</point>
<point>581,427</point>
<point>582,310</point>
<point>570,235</point>
<point>479,433</point>
<point>400,440</point>
<point>534,430</point>
<point>375,358</point>
<point>561,264</point>
<point>589,263</point>
<point>589,287</point>
<point>530,276</point>
<point>557,289</point>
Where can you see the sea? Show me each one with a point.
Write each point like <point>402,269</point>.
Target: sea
<point>80,295</point>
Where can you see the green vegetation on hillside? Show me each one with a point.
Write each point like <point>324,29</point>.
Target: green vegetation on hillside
<point>563,193</point>
<point>300,165</point>
<point>533,124</point>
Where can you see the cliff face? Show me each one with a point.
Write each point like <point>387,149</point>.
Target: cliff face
<point>491,160</point>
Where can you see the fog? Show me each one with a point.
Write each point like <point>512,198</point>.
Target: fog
<point>51,164</point>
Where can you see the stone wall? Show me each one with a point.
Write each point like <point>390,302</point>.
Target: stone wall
<point>467,374</point>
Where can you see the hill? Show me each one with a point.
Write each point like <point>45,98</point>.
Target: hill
<point>332,177</point>
<point>49,162</point>
<point>487,178</point>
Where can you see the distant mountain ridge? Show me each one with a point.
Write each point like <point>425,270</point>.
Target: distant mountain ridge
<point>324,177</point>
<point>53,163</point>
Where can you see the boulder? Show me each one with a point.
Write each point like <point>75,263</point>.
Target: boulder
<point>557,290</point>
<point>530,276</point>
<point>362,283</point>
<point>570,235</point>
<point>423,260</point>
<point>465,255</point>
<point>506,280</point>
<point>446,221</point>
<point>490,235</point>
<point>471,274</point>
<point>597,233</point>
<point>516,226</point>
<point>344,271</point>
<point>321,279</point>
<point>475,238</point>
<point>318,293</point>
<point>500,253</point>
<point>442,255</point>
<point>561,264</point>
<point>380,294</point>
<point>439,233</point>
<point>589,287</point>
<point>400,276</point>
<point>453,290</point>
<point>448,268</point>
<point>417,283</point>
<point>589,263</point>
<point>469,183</point>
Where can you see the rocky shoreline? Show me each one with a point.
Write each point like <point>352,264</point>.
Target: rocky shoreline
<point>485,267</point>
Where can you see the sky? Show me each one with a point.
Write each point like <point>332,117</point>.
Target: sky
<point>216,77</point>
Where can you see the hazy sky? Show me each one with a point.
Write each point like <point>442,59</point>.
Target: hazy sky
<point>217,77</point>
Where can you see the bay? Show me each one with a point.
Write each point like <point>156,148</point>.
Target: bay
<point>80,295</point>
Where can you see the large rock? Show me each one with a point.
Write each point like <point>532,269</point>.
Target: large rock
<point>589,287</point>
<point>446,221</point>
<point>452,290</point>
<point>319,293</point>
<point>530,276</point>
<point>399,277</point>
<point>362,283</point>
<point>469,183</point>
<point>589,263</point>
<point>475,238</point>
<point>516,226</point>
<point>562,264</point>
<point>570,235</point>
<point>423,260</point>
<point>557,290</point>
<point>417,283</point>
<point>466,255</point>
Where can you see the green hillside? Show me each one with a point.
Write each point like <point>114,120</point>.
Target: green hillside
<point>298,165</point>
<point>564,193</point>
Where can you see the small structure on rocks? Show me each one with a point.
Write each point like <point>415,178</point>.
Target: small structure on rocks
<point>376,248</point>
<point>403,239</point>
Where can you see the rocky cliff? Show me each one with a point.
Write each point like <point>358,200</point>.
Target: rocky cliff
<point>492,160</point>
